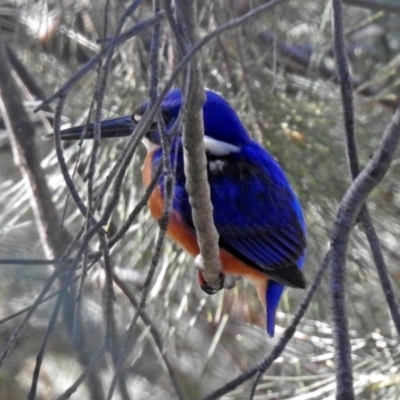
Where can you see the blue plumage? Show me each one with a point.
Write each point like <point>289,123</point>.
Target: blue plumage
<point>257,215</point>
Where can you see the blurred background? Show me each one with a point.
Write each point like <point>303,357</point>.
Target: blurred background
<point>278,71</point>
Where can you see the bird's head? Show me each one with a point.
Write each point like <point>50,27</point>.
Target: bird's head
<point>223,131</point>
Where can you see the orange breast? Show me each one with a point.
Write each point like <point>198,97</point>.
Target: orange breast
<point>183,235</point>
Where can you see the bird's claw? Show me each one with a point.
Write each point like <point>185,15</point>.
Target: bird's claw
<point>223,281</point>
<point>211,288</point>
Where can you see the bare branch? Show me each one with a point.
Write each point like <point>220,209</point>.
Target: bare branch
<point>49,331</point>
<point>154,334</point>
<point>73,388</point>
<point>137,28</point>
<point>354,168</point>
<point>261,367</point>
<point>54,238</point>
<point>384,5</point>
<point>342,340</point>
<point>195,159</point>
<point>348,211</point>
<point>344,369</point>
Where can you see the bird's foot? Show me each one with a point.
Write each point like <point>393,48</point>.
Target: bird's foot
<point>208,287</point>
<point>223,281</point>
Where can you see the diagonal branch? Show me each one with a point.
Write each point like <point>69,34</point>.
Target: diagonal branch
<point>55,238</point>
<point>344,375</point>
<point>262,366</point>
<point>349,208</point>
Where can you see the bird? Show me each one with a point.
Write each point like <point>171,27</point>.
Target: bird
<point>259,219</point>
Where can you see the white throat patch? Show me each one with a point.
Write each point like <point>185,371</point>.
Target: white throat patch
<point>150,146</point>
<point>218,147</point>
<point>214,146</point>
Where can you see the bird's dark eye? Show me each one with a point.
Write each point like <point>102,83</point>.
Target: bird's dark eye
<point>137,116</point>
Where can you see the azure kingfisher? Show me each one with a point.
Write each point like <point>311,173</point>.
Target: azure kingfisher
<point>262,232</point>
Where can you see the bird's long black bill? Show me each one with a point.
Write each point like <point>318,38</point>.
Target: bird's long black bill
<point>110,128</point>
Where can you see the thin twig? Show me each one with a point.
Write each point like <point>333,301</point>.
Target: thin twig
<point>154,57</point>
<point>17,332</point>
<point>102,84</point>
<point>55,238</point>
<point>109,291</point>
<point>354,167</point>
<point>140,26</point>
<point>74,387</point>
<point>163,223</point>
<point>337,286</point>
<point>349,208</point>
<point>381,266</point>
<point>138,208</point>
<point>154,334</point>
<point>342,340</point>
<point>61,159</point>
<point>183,43</point>
<point>26,309</point>
<point>49,331</point>
<point>125,348</point>
<point>150,115</point>
<point>283,341</point>
<point>197,184</point>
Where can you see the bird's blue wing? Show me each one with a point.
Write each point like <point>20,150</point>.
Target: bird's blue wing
<point>258,216</point>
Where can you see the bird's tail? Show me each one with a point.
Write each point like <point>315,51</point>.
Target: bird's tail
<point>272,296</point>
